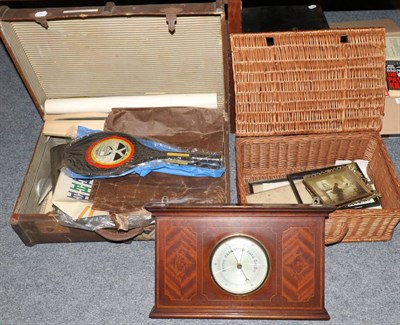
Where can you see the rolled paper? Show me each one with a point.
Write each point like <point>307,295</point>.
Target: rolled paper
<point>106,104</point>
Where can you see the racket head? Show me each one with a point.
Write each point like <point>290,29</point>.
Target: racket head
<point>101,154</point>
<point>110,152</point>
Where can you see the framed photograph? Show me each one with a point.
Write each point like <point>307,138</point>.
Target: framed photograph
<point>266,185</point>
<point>274,191</point>
<point>303,195</point>
<point>301,192</point>
<point>340,185</point>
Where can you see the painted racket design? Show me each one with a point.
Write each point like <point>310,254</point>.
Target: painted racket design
<point>112,153</point>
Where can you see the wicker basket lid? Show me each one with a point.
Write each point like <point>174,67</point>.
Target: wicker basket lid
<point>303,82</point>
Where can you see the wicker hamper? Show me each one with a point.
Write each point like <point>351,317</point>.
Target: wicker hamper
<point>307,98</point>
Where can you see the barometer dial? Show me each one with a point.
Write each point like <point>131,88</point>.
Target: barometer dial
<point>239,264</point>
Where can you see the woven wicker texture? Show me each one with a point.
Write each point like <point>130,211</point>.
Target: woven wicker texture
<point>306,99</point>
<point>263,158</point>
<point>309,82</point>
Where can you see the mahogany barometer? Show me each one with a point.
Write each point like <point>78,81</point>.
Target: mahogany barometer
<point>240,261</point>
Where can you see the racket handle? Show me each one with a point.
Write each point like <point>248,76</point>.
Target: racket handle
<point>209,160</point>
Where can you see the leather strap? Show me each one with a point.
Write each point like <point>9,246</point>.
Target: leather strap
<point>119,236</point>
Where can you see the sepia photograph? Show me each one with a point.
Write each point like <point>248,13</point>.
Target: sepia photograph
<point>339,186</point>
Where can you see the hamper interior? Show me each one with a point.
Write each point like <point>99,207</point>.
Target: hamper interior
<point>267,158</point>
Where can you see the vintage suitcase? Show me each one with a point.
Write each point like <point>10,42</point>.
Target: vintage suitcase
<point>64,53</point>
<point>305,99</point>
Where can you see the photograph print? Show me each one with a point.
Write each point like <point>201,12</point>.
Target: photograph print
<point>339,186</point>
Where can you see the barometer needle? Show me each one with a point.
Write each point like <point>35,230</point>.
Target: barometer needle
<point>230,266</point>
<point>239,266</point>
<point>233,253</point>
<point>241,254</point>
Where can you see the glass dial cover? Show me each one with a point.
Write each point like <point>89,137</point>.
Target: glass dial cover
<point>239,264</point>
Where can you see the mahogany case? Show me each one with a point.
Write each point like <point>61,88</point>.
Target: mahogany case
<point>292,235</point>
